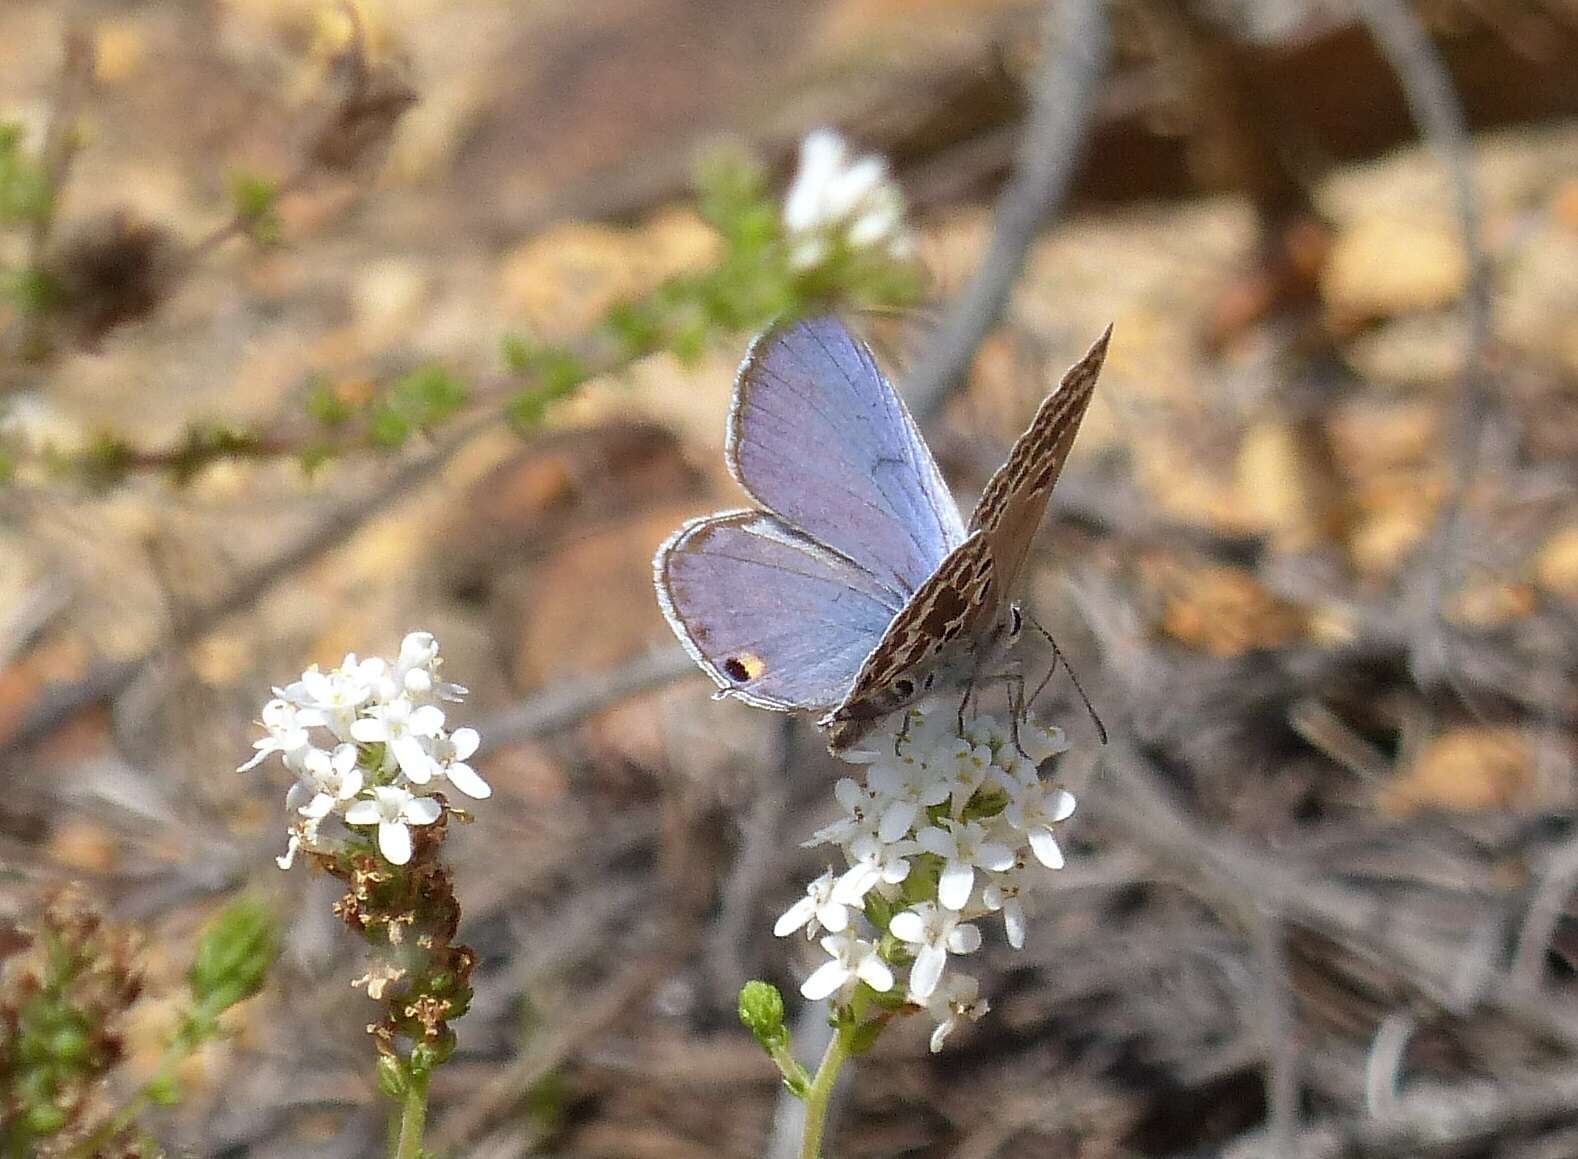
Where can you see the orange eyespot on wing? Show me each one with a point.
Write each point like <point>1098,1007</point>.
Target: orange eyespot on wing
<point>744,667</point>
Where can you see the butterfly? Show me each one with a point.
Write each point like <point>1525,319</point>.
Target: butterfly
<point>854,587</point>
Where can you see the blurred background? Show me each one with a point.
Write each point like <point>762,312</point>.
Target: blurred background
<point>1315,555</point>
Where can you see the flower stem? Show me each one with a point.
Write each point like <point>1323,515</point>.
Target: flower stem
<point>820,1094</point>
<point>413,1116</point>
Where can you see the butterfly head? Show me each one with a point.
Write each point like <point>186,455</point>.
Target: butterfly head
<point>852,720</point>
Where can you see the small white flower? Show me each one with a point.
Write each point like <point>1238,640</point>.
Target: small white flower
<point>332,779</point>
<point>967,765</point>
<point>834,196</point>
<point>1002,895</point>
<point>336,696</point>
<point>958,997</point>
<point>416,671</point>
<point>1041,741</point>
<point>853,959</point>
<point>451,752</point>
<point>860,815</point>
<point>936,932</point>
<point>815,911</point>
<point>287,733</point>
<point>407,730</point>
<point>872,862</point>
<point>303,835</point>
<point>1034,809</point>
<point>905,791</point>
<point>964,848</point>
<point>394,810</point>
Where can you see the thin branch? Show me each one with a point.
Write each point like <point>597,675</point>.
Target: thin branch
<point>569,702</point>
<point>1442,1119</point>
<point>1060,113</point>
<point>750,874</point>
<point>1545,911</point>
<point>1225,866</point>
<point>106,680</point>
<point>1433,103</point>
<point>1279,1032</point>
<point>1385,1062</point>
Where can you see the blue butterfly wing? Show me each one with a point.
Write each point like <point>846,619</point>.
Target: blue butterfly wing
<point>819,437</point>
<point>772,616</point>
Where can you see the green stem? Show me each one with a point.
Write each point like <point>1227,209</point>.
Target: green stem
<point>413,1116</point>
<point>821,1093</point>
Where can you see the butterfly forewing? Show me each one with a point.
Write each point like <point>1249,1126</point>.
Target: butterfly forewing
<point>1015,497</point>
<point>821,439</point>
<point>770,615</point>
<point>934,634</point>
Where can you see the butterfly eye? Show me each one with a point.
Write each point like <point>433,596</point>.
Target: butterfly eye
<point>904,686</point>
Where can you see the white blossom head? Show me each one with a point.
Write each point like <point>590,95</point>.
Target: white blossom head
<point>936,837</point>
<point>839,200</point>
<point>367,744</point>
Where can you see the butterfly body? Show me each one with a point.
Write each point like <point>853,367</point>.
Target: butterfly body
<point>856,588</point>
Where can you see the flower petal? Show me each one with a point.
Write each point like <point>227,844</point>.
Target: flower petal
<point>428,720</point>
<point>896,820</point>
<point>927,971</point>
<point>363,813</point>
<point>466,780</point>
<point>908,926</point>
<point>794,917</point>
<point>464,741</point>
<point>856,883</point>
<point>876,973</point>
<point>1045,847</point>
<point>394,842</point>
<point>369,730</point>
<point>421,811</point>
<point>824,980</point>
<point>955,884</point>
<point>964,939</point>
<point>833,916</point>
<point>414,759</point>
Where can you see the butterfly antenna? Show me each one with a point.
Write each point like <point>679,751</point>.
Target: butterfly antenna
<point>1058,657</point>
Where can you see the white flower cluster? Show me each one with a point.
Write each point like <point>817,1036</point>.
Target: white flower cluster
<point>945,830</point>
<point>366,740</point>
<point>836,198</point>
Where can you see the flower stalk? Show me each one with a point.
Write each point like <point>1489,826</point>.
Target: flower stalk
<point>372,750</point>
<point>946,829</point>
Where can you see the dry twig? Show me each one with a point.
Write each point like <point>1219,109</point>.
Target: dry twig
<point>1061,108</point>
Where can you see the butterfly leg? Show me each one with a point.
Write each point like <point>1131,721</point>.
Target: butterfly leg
<point>1018,707</point>
<point>1057,656</point>
<point>964,702</point>
<point>904,733</point>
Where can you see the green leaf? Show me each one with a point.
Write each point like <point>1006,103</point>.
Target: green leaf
<point>325,405</point>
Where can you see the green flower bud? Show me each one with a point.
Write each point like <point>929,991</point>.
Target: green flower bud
<point>234,954</point>
<point>762,1011</point>
<point>69,1045</point>
<point>45,1120</point>
<point>391,1077</point>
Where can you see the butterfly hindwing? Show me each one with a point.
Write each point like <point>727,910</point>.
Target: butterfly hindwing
<point>772,616</point>
<point>821,439</point>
